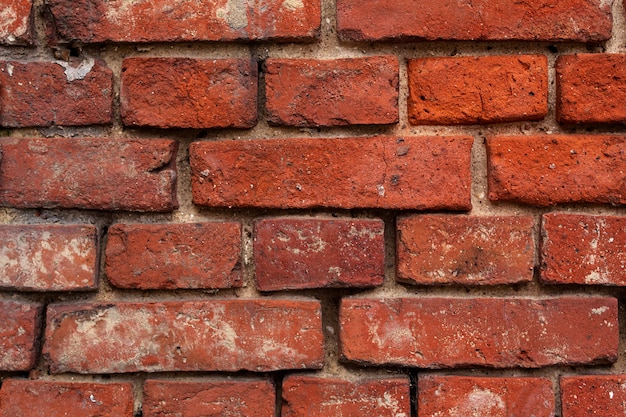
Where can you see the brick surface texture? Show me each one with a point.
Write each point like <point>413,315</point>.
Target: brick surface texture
<point>285,208</point>
<point>477,90</point>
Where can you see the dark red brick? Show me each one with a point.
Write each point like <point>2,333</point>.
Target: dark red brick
<point>48,257</point>
<point>16,23</point>
<point>102,174</point>
<point>249,398</point>
<point>20,324</point>
<point>492,332</point>
<point>542,20</point>
<point>294,253</point>
<point>189,93</point>
<point>436,249</point>
<point>311,396</point>
<point>545,170</point>
<point>352,91</point>
<point>477,396</point>
<point>477,90</point>
<point>185,20</point>
<point>216,335</point>
<point>376,172</point>
<point>583,249</point>
<point>58,399</point>
<point>55,93</point>
<point>170,256</point>
<point>593,395</point>
<point>591,88</point>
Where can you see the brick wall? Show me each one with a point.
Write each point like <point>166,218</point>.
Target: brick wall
<point>312,208</point>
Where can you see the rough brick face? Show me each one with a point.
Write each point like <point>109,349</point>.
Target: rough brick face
<point>544,170</point>
<point>383,172</point>
<point>493,332</point>
<point>494,397</point>
<point>189,93</point>
<point>240,398</point>
<point>185,20</point>
<point>307,92</point>
<point>16,22</point>
<point>310,253</point>
<point>591,88</point>
<point>103,174</point>
<point>55,398</point>
<point>444,249</point>
<point>583,249</point>
<point>572,20</point>
<point>55,93</point>
<point>310,396</point>
<point>218,335</point>
<point>48,257</point>
<point>160,256</point>
<point>476,90</point>
<point>19,335</point>
<point>593,395</point>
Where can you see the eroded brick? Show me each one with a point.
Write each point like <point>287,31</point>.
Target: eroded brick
<point>20,325</point>
<point>593,395</point>
<point>16,24</point>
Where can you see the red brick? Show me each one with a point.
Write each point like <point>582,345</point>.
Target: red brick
<point>436,249</point>
<point>310,396</point>
<point>55,93</point>
<point>189,93</point>
<point>248,398</point>
<point>48,257</point>
<point>545,170</point>
<point>170,256</point>
<point>186,20</point>
<point>572,20</point>
<point>19,333</point>
<point>493,332</point>
<point>583,249</point>
<point>591,88</point>
<point>493,397</point>
<point>310,92</point>
<point>294,253</point>
<point>58,399</point>
<point>593,395</point>
<point>476,90</point>
<point>16,23</point>
<point>102,174</point>
<point>377,172</point>
<point>217,335</point>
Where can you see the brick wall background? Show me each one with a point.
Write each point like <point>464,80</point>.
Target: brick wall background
<point>312,208</point>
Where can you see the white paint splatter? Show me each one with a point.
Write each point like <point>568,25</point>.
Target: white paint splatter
<point>79,72</point>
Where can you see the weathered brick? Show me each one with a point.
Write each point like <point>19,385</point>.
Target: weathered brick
<point>16,23</point>
<point>58,399</point>
<point>476,90</point>
<point>593,395</point>
<point>170,256</point>
<point>475,396</point>
<point>102,174</point>
<point>583,249</point>
<point>310,396</point>
<point>55,93</point>
<point>447,249</point>
<point>493,332</point>
<point>238,398</point>
<point>20,325</point>
<point>217,335</point>
<point>48,257</point>
<point>376,172</point>
<point>312,253</point>
<point>545,170</point>
<point>591,88</point>
<point>184,20</point>
<point>351,91</point>
<point>543,20</point>
<point>189,93</point>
